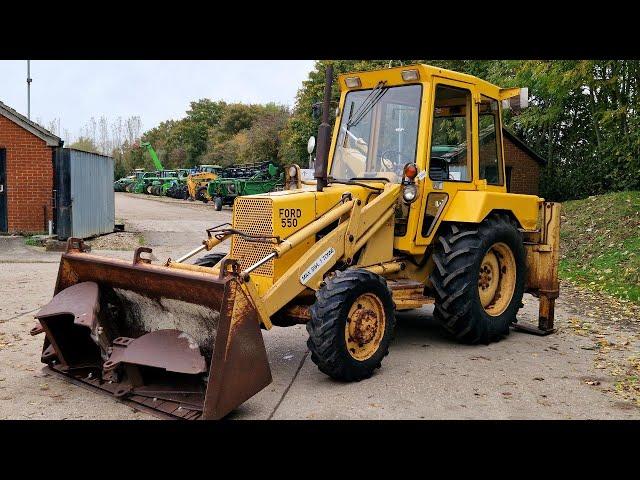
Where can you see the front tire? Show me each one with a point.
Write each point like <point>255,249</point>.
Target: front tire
<point>201,194</point>
<point>479,278</point>
<point>218,203</point>
<point>351,325</point>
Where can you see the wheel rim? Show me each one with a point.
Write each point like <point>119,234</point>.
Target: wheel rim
<point>497,279</point>
<point>365,326</point>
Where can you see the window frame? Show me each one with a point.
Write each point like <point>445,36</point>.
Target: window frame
<point>499,149</point>
<point>341,116</point>
<point>469,123</point>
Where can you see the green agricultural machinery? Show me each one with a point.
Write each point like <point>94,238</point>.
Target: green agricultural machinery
<point>144,181</point>
<point>165,180</point>
<point>224,191</point>
<point>121,184</point>
<point>179,188</point>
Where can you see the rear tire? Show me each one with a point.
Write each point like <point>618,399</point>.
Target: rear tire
<point>218,203</point>
<point>210,259</point>
<point>351,325</point>
<point>478,279</point>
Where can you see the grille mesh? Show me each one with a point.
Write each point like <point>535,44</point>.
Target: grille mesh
<point>253,216</point>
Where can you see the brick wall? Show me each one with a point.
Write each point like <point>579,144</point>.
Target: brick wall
<point>525,171</point>
<point>29,183</point>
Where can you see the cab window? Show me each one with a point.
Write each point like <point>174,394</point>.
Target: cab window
<point>450,158</point>
<point>490,153</point>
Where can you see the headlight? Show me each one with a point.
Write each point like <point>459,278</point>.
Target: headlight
<point>293,171</point>
<point>410,192</point>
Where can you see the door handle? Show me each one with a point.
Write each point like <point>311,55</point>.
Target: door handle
<point>1,188</point>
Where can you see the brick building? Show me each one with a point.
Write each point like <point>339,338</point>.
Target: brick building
<point>26,173</point>
<point>522,165</point>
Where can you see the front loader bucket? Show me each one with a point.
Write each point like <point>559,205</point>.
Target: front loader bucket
<point>180,343</point>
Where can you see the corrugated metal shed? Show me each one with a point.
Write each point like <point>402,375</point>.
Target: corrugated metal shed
<point>84,194</point>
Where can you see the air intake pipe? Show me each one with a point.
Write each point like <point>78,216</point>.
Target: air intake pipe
<point>324,135</point>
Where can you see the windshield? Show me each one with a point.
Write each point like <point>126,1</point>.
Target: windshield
<point>378,133</point>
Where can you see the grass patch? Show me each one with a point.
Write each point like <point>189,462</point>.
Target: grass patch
<point>600,244</point>
<point>141,240</point>
<point>32,242</point>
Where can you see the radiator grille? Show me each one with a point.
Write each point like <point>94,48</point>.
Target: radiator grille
<point>253,216</point>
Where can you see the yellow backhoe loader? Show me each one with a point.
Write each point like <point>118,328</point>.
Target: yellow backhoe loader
<point>197,182</point>
<point>408,207</point>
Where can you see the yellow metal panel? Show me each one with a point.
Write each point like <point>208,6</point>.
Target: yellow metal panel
<point>253,216</point>
<point>508,93</point>
<point>474,206</point>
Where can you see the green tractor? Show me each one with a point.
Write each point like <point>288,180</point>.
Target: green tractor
<point>159,185</point>
<point>144,181</point>
<point>179,188</point>
<point>224,191</point>
<point>121,184</point>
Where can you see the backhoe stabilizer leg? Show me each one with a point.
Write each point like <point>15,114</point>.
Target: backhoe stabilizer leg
<point>543,255</point>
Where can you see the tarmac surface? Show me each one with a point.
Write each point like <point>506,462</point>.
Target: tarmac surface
<point>425,375</point>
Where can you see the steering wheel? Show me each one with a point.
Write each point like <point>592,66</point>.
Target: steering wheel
<point>394,166</point>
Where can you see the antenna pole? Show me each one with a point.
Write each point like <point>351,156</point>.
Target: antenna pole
<point>29,89</point>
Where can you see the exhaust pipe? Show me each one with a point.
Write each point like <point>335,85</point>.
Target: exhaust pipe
<point>324,135</point>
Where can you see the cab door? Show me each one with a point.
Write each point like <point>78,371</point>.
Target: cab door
<point>451,154</point>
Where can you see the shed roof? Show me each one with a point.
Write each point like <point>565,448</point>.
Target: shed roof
<point>32,127</point>
<point>518,141</point>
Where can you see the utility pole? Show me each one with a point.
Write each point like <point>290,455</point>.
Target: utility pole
<point>29,89</point>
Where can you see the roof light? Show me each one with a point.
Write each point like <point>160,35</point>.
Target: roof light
<point>410,75</point>
<point>352,82</point>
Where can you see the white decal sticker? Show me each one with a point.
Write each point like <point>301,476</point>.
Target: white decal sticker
<point>422,175</point>
<point>315,266</point>
<point>307,173</point>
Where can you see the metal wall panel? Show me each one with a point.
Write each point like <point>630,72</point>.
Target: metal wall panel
<point>92,198</point>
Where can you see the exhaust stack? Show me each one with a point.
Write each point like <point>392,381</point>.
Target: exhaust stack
<point>324,135</point>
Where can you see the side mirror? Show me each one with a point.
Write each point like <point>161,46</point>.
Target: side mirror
<point>311,144</point>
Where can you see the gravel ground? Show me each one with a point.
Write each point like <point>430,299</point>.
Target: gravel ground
<point>117,241</point>
<point>584,371</point>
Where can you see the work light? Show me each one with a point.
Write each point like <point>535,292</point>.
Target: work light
<point>352,82</point>
<point>410,75</point>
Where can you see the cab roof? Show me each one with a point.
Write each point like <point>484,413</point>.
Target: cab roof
<point>393,76</point>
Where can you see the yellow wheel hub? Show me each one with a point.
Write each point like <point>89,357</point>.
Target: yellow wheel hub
<point>497,279</point>
<point>365,326</point>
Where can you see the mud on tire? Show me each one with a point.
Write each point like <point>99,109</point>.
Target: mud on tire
<point>327,342</point>
<point>459,252</point>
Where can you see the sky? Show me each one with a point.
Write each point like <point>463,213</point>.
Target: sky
<point>156,90</point>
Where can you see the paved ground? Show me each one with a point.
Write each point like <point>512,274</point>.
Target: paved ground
<point>575,373</point>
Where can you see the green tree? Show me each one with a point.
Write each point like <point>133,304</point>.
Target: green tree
<point>86,144</point>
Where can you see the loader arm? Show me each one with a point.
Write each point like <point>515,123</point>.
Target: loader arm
<point>154,155</point>
<point>309,270</point>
